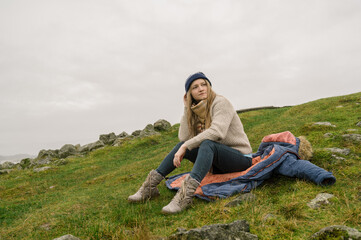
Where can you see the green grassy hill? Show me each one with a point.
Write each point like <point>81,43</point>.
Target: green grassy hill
<point>88,197</point>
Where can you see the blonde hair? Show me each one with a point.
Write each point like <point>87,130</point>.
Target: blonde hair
<point>192,117</point>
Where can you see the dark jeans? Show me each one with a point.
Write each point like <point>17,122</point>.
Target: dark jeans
<point>224,159</point>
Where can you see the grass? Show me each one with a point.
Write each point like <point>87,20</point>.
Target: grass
<point>87,197</point>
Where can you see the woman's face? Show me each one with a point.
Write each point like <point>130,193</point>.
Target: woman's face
<point>199,89</point>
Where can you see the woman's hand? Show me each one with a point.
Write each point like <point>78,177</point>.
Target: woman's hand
<point>185,99</point>
<point>178,156</point>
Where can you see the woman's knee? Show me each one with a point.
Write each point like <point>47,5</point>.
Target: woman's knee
<point>178,145</point>
<point>208,144</point>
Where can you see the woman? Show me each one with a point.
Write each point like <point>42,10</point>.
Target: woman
<point>211,136</point>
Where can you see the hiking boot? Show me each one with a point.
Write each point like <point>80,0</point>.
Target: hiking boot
<point>148,189</point>
<point>183,198</point>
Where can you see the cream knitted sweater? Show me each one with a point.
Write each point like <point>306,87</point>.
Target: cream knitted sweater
<point>226,128</point>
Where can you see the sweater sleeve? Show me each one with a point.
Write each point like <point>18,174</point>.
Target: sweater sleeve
<point>183,133</point>
<point>222,115</point>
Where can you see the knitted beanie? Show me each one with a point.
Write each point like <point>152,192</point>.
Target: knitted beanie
<point>191,78</point>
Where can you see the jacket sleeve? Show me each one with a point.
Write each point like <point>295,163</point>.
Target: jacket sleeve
<point>222,115</point>
<point>183,132</point>
<point>303,169</point>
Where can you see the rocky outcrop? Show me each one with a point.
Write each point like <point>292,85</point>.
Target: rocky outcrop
<point>119,141</point>
<point>321,199</point>
<point>337,232</point>
<point>162,125</point>
<point>25,163</point>
<point>338,158</point>
<point>121,138</point>
<point>232,231</point>
<point>91,146</point>
<point>351,130</point>
<point>108,139</point>
<point>246,197</point>
<point>327,124</point>
<point>148,131</point>
<point>342,151</point>
<point>136,133</point>
<point>67,237</point>
<point>67,150</point>
<point>42,169</point>
<point>328,135</point>
<point>6,165</point>
<point>6,171</point>
<point>42,161</point>
<point>352,137</point>
<point>58,157</point>
<point>43,154</point>
<point>123,135</point>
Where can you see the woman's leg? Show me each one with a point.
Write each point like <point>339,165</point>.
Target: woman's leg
<point>167,166</point>
<point>209,153</point>
<point>149,189</point>
<point>224,159</point>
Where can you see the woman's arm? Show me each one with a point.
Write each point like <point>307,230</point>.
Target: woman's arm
<point>183,133</point>
<point>222,115</point>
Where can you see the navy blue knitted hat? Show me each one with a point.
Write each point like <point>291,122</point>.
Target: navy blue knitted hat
<point>193,77</point>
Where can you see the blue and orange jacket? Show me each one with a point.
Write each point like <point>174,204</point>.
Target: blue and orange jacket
<point>277,154</point>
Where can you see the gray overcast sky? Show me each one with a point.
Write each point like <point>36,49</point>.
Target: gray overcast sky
<point>71,70</point>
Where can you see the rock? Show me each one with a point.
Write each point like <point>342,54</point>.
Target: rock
<point>162,125</point>
<point>180,229</point>
<point>48,154</point>
<point>25,163</point>
<point>352,137</point>
<point>6,171</point>
<point>342,151</point>
<point>148,131</point>
<point>246,197</point>
<point>42,161</point>
<point>358,124</point>
<point>60,162</point>
<point>67,150</point>
<point>7,165</point>
<point>321,199</point>
<point>136,133</point>
<point>46,227</point>
<point>67,237</point>
<point>233,231</point>
<point>338,158</point>
<point>337,232</point>
<point>328,135</point>
<point>42,169</point>
<point>269,217</point>
<point>351,130</point>
<point>328,124</point>
<point>123,135</point>
<point>108,139</point>
<point>91,146</point>
<point>118,142</point>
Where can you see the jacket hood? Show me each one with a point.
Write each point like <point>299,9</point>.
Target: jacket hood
<point>284,139</point>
